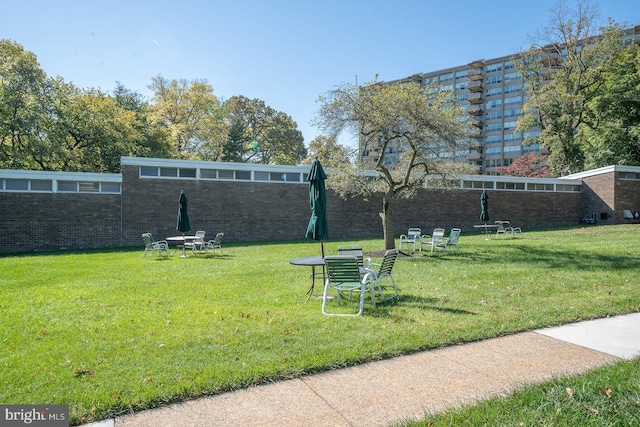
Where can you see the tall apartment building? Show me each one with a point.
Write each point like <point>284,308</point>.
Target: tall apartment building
<point>492,92</point>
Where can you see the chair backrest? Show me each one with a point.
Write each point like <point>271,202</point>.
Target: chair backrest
<point>414,233</point>
<point>453,236</point>
<point>342,269</point>
<point>200,235</point>
<point>502,225</point>
<point>218,238</point>
<point>438,235</point>
<point>388,262</point>
<point>148,239</point>
<point>350,250</point>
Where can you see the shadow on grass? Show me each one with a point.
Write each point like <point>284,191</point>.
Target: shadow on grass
<point>408,301</point>
<point>501,256</point>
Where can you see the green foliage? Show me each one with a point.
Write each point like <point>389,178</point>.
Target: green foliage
<point>413,134</point>
<point>565,74</point>
<point>260,134</point>
<point>329,152</point>
<point>109,332</point>
<point>608,396</point>
<point>186,111</point>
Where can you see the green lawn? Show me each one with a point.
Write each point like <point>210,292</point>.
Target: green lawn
<point>109,332</point>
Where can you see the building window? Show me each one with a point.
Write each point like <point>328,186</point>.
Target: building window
<point>518,186</point>
<point>494,91</point>
<point>539,187</point>
<point>492,68</point>
<point>629,176</point>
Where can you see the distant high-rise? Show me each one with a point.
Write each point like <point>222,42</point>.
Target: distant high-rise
<point>492,92</point>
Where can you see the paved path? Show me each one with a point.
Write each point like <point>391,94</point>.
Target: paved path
<point>403,388</point>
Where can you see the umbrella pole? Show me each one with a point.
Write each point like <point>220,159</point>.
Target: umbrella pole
<point>324,279</point>
<point>184,254</point>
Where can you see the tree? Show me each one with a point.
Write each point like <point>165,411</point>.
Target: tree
<point>188,112</point>
<point>328,151</point>
<point>616,139</point>
<point>85,130</point>
<point>415,132</point>
<point>22,86</point>
<point>152,141</point>
<point>260,134</point>
<point>529,165</point>
<point>562,72</point>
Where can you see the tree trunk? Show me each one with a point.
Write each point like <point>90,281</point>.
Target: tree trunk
<point>387,224</point>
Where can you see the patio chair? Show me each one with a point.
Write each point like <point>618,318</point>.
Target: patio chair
<point>436,238</point>
<point>343,275</point>
<point>197,244</point>
<point>413,237</point>
<point>505,227</point>
<point>215,243</point>
<point>452,240</point>
<point>384,270</point>
<point>352,250</point>
<point>154,246</point>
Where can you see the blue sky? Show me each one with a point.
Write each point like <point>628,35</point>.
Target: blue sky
<point>284,52</point>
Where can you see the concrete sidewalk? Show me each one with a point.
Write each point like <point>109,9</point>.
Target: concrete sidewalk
<point>407,387</point>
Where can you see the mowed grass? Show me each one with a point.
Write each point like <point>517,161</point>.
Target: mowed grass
<point>609,396</point>
<point>109,332</point>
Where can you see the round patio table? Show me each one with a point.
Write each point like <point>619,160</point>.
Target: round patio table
<point>313,262</point>
<point>486,229</point>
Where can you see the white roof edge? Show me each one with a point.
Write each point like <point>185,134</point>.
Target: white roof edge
<point>60,176</point>
<point>203,164</point>
<point>600,171</point>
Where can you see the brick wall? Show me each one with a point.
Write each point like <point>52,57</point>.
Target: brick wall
<point>45,221</point>
<point>255,211</point>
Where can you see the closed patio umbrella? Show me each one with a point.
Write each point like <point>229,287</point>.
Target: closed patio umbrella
<point>484,206</point>
<point>484,212</point>
<point>317,228</point>
<point>182,223</point>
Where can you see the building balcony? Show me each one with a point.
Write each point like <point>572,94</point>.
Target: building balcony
<point>474,109</point>
<point>475,86</point>
<point>478,63</point>
<point>475,98</point>
<point>475,121</point>
<point>474,156</point>
<point>475,74</point>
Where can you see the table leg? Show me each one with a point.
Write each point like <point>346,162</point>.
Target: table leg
<point>313,282</point>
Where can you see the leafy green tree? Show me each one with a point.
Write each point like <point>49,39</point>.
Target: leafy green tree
<point>616,138</point>
<point>85,130</point>
<point>260,134</point>
<point>412,133</point>
<point>151,141</point>
<point>188,112</point>
<point>563,74</point>
<point>329,152</point>
<point>22,86</point>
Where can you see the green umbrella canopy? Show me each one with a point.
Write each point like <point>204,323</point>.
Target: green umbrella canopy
<point>484,206</point>
<point>182,223</point>
<point>318,228</point>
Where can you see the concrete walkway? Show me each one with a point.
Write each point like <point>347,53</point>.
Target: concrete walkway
<point>407,387</point>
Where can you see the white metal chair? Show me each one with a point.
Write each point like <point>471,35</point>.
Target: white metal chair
<point>154,246</point>
<point>384,270</point>
<point>215,243</point>
<point>413,237</point>
<point>343,275</point>
<point>436,238</point>
<point>452,240</point>
<point>197,244</point>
